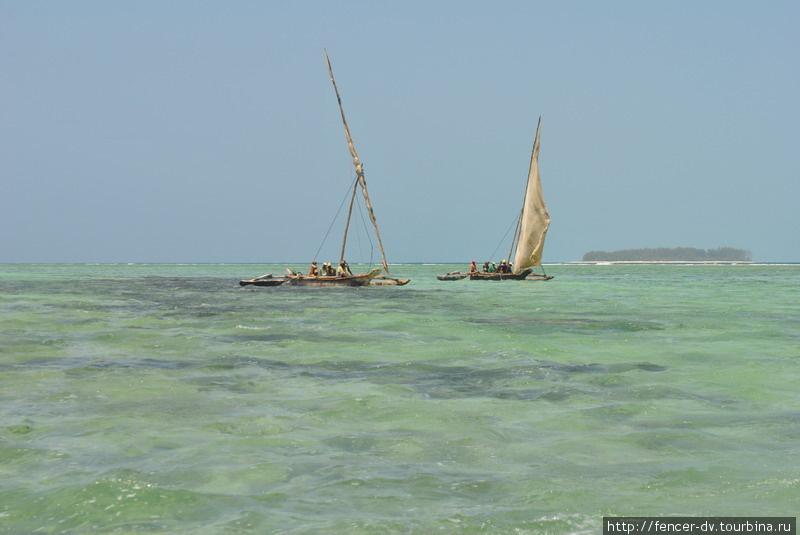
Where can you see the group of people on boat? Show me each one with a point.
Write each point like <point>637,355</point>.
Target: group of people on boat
<point>491,267</point>
<point>343,270</point>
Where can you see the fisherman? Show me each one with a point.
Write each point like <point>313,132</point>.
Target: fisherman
<point>492,268</point>
<point>313,271</point>
<point>343,270</point>
<point>327,270</point>
<point>486,267</point>
<point>503,267</point>
<point>473,268</point>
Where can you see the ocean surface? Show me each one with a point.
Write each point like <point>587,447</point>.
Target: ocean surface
<point>167,399</point>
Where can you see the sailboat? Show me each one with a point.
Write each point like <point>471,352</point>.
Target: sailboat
<point>362,279</point>
<point>527,243</point>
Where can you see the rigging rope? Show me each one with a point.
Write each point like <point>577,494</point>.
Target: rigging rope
<point>516,219</point>
<point>334,218</point>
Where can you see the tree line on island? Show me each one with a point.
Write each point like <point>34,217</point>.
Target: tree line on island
<point>690,254</point>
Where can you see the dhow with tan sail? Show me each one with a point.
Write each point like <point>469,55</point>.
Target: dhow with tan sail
<point>344,277</point>
<point>527,244</point>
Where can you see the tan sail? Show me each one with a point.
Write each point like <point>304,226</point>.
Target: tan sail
<point>535,220</point>
<point>359,173</point>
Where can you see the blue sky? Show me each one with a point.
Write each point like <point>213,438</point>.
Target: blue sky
<point>190,131</point>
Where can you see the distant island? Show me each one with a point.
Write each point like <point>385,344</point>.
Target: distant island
<point>675,254</point>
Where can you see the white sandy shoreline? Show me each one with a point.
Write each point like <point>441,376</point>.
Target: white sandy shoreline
<point>607,262</point>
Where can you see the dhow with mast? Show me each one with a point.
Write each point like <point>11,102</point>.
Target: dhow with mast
<point>527,244</point>
<point>343,278</point>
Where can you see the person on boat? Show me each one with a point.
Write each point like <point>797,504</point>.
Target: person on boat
<point>344,269</point>
<point>492,268</point>
<point>327,270</point>
<point>486,267</point>
<point>503,267</point>
<point>313,271</point>
<point>473,267</point>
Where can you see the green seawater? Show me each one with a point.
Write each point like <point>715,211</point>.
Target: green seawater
<point>167,399</point>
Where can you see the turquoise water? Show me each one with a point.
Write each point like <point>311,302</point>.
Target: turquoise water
<point>155,399</point>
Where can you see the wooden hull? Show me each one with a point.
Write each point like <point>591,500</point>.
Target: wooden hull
<point>500,276</point>
<point>352,280</point>
<point>299,280</point>
<point>265,280</point>
<point>452,277</point>
<point>382,280</point>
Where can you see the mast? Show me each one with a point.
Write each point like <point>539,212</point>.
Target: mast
<point>347,224</point>
<point>359,173</point>
<point>516,235</point>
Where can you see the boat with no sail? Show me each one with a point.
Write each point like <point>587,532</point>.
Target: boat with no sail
<point>345,278</point>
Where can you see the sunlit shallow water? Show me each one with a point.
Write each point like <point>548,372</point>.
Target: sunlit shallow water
<point>167,399</point>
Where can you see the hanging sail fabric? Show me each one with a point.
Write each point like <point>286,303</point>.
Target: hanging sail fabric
<point>359,173</point>
<point>535,220</point>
